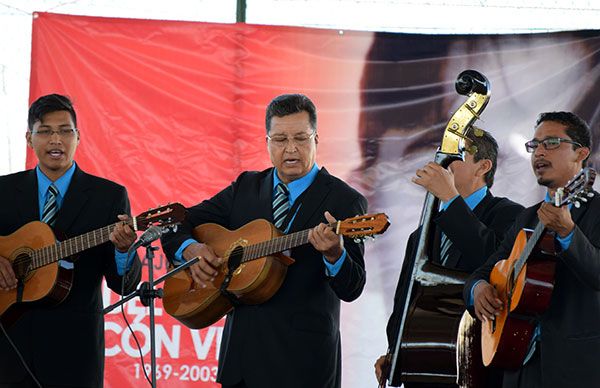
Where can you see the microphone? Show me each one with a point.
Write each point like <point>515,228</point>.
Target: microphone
<point>153,233</point>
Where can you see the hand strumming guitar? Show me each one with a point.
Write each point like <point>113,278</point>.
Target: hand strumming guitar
<point>486,302</point>
<point>207,268</point>
<point>8,280</point>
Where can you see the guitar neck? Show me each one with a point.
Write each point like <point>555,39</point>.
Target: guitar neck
<point>531,243</point>
<point>276,245</point>
<point>69,247</point>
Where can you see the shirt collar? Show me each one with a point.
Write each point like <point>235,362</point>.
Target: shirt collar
<point>298,186</point>
<point>473,200</point>
<point>62,183</point>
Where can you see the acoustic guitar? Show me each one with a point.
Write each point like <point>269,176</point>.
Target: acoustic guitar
<point>34,252</point>
<point>254,267</point>
<point>525,282</point>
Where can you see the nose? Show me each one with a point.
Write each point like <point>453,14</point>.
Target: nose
<point>539,151</point>
<point>290,146</point>
<point>55,137</point>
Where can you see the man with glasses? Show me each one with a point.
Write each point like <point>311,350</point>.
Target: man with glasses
<point>63,345</point>
<point>293,339</point>
<point>565,348</point>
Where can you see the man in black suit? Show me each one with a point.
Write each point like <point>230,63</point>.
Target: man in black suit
<point>471,222</point>
<point>566,345</point>
<point>293,339</point>
<point>63,345</point>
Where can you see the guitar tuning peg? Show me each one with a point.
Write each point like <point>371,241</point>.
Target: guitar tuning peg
<point>576,204</point>
<point>358,240</point>
<point>590,194</point>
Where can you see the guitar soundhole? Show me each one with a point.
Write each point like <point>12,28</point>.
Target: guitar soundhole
<point>21,265</point>
<point>235,259</point>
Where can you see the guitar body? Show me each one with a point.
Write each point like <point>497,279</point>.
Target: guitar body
<point>253,282</point>
<point>505,341</point>
<point>46,285</point>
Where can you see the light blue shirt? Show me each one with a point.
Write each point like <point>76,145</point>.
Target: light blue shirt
<point>62,185</point>
<point>296,188</point>
<point>472,200</point>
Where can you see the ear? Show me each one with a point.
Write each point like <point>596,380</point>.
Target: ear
<point>485,165</point>
<point>582,153</point>
<point>28,138</point>
<point>316,138</point>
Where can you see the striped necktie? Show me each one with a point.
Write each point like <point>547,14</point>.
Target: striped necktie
<point>51,206</point>
<point>445,245</point>
<point>281,204</point>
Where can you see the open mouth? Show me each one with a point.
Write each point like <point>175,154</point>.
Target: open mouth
<point>541,165</point>
<point>56,154</point>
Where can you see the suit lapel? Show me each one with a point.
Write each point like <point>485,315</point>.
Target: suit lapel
<point>265,196</point>
<point>28,201</point>
<point>312,199</point>
<point>454,254</point>
<point>578,212</point>
<point>73,202</point>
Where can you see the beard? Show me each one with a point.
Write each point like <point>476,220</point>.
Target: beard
<point>544,181</point>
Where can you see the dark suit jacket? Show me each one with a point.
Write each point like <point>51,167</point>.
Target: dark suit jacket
<point>293,339</point>
<point>64,345</point>
<point>475,235</point>
<point>570,328</point>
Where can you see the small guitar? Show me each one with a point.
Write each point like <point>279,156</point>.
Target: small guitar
<point>525,282</point>
<point>254,268</point>
<point>34,254</point>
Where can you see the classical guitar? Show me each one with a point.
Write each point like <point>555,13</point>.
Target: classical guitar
<point>525,282</point>
<point>254,268</point>
<point>34,252</point>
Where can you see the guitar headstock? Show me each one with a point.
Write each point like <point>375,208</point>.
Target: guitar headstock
<point>362,226</point>
<point>579,188</point>
<point>173,213</point>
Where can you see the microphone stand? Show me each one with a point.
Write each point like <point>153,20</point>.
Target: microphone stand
<point>147,294</point>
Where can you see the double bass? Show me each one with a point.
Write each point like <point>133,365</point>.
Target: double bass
<point>432,308</point>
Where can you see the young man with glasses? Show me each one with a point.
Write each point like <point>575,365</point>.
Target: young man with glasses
<point>293,339</point>
<point>63,345</point>
<point>565,348</point>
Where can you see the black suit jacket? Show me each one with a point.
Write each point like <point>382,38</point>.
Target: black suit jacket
<point>570,328</point>
<point>64,345</point>
<point>293,339</point>
<point>475,235</point>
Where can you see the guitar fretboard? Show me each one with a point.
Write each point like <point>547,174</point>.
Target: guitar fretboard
<point>279,244</point>
<point>69,247</point>
<point>531,242</point>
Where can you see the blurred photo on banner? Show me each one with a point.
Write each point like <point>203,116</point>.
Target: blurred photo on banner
<point>175,110</point>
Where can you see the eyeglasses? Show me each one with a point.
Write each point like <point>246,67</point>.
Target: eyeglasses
<point>549,143</point>
<point>300,139</point>
<point>63,133</point>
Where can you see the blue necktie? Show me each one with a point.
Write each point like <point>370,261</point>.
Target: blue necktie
<point>281,205</point>
<point>51,206</point>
